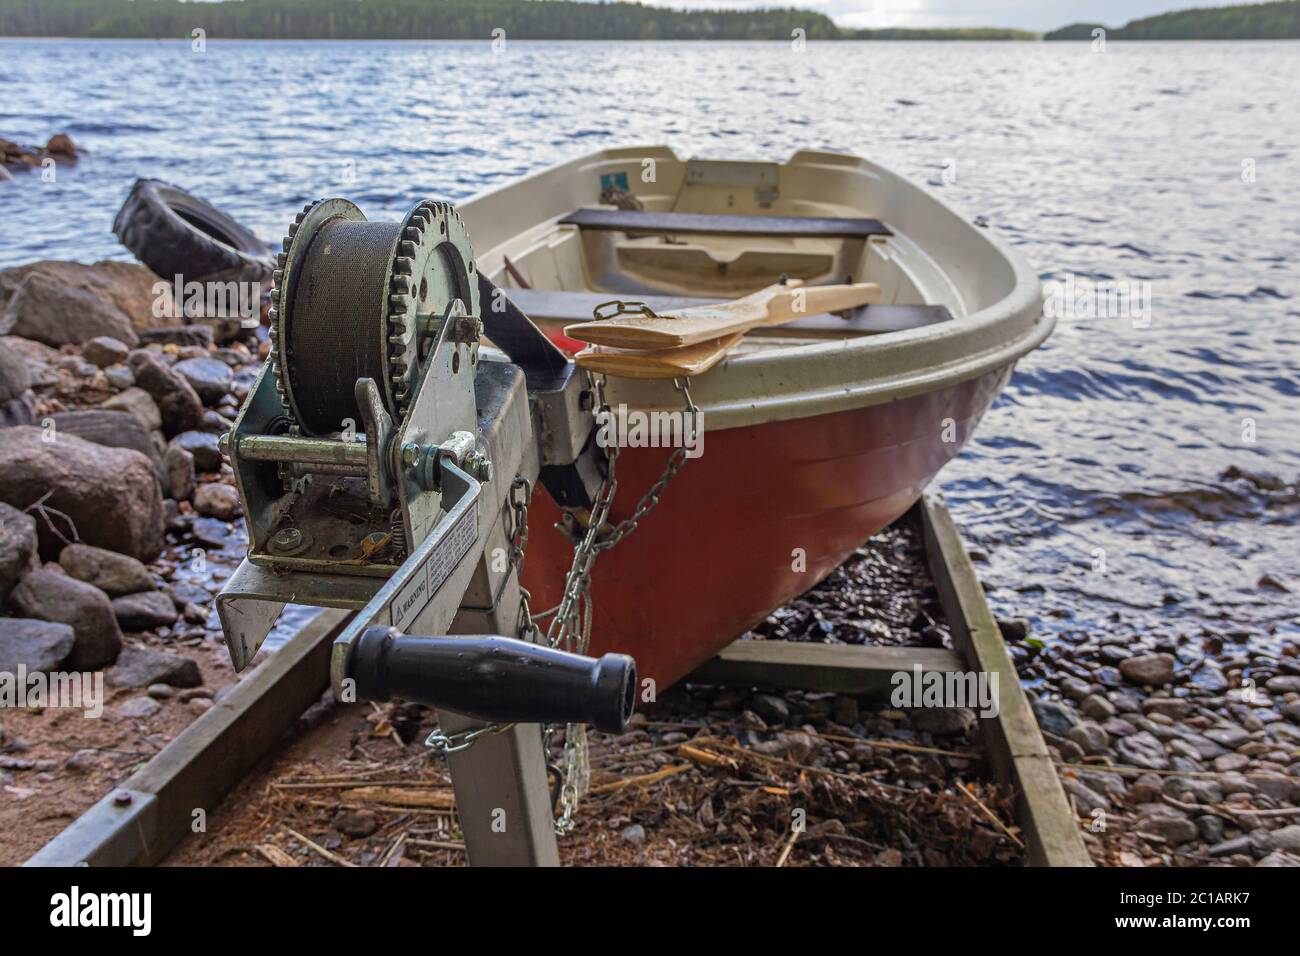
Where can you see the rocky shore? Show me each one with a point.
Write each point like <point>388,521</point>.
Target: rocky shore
<point>15,157</point>
<point>118,517</point>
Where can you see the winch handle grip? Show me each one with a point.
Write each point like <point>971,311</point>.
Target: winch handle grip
<point>496,679</point>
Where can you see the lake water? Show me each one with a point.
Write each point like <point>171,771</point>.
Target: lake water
<point>1135,482</point>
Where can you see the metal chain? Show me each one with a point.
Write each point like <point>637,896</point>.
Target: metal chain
<point>570,625</point>
<point>444,744</point>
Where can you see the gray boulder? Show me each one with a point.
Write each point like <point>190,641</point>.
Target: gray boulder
<point>51,596</point>
<point>115,429</point>
<point>139,403</point>
<point>129,287</point>
<point>17,547</point>
<point>178,466</point>
<point>141,666</point>
<point>18,411</point>
<point>114,574</point>
<point>215,500</point>
<point>104,350</point>
<point>110,495</point>
<point>46,310</point>
<point>15,377</point>
<point>36,645</point>
<point>143,611</point>
<point>203,446</point>
<point>210,378</point>
<point>178,403</point>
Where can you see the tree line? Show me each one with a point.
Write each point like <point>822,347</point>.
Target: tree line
<point>564,20</point>
<point>402,19</point>
<point>1255,21</point>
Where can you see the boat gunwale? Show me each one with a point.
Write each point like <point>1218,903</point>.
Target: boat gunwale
<point>823,377</point>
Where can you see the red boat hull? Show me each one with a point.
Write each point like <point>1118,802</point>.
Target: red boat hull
<point>719,553</point>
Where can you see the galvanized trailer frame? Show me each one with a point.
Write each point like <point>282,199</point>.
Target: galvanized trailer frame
<point>144,819</point>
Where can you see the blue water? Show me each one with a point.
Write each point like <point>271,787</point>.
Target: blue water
<point>1114,486</point>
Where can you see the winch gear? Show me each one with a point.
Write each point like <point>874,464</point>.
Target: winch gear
<point>360,299</point>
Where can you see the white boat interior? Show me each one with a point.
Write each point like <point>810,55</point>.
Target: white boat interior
<point>641,224</point>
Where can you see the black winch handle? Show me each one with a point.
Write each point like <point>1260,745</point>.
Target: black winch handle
<point>498,679</point>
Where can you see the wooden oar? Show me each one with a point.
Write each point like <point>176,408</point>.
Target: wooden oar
<point>658,363</point>
<point>771,306</point>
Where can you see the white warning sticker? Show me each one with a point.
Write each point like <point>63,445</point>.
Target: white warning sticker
<point>433,572</point>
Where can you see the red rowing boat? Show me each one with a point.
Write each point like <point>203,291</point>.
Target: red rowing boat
<point>818,434</point>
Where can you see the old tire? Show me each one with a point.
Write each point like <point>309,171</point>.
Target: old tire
<point>175,233</point>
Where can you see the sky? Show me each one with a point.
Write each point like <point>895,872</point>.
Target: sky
<point>1024,14</point>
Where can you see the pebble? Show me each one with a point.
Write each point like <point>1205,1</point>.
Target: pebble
<point>1227,763</point>
<point>1143,750</point>
<point>1171,707</point>
<point>1210,827</point>
<point>217,500</point>
<point>210,378</point>
<point>83,761</point>
<point>1280,858</point>
<point>1097,707</point>
<point>1055,717</point>
<point>1146,788</point>
<point>1166,822</point>
<point>1230,737</point>
<point>104,350</point>
<point>1287,838</point>
<point>138,708</point>
<point>773,709</point>
<point>160,691</point>
<point>1153,669</point>
<point>1090,737</point>
<point>634,834</point>
<point>356,823</point>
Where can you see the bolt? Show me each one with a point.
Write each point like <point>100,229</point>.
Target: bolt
<point>286,539</point>
<point>482,468</point>
<point>122,798</point>
<point>223,445</point>
<point>410,454</point>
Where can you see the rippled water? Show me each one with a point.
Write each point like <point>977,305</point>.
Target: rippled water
<point>1113,445</point>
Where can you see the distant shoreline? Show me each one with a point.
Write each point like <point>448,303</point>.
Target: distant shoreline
<point>474,40</point>
<point>565,21</point>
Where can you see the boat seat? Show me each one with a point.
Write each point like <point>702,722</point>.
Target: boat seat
<point>548,305</point>
<point>641,221</point>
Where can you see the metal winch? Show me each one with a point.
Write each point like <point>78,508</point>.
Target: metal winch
<point>362,452</point>
<point>338,467</point>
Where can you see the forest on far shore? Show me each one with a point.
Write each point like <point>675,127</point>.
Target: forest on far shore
<point>565,20</point>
